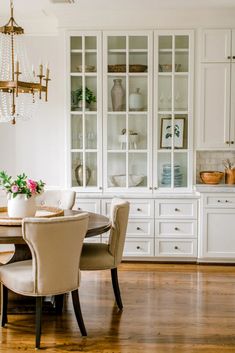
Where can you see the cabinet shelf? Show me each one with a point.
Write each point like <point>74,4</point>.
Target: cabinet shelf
<point>80,74</point>
<point>79,51</point>
<point>129,151</point>
<point>176,51</point>
<point>124,74</point>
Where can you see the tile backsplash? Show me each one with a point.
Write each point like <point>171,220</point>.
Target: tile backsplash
<point>212,160</point>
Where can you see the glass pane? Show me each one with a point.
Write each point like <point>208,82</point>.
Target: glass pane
<point>164,170</point>
<point>116,131</point>
<point>76,84</point>
<point>90,62</point>
<point>181,62</point>
<point>166,131</point>
<point>76,62</point>
<point>138,42</point>
<point>90,43</point>
<point>76,43</point>
<point>138,89</point>
<point>165,93</point>
<point>116,94</point>
<point>181,42</point>
<point>91,93</point>
<point>116,42</point>
<point>180,169</point>
<point>91,131</point>
<point>165,42</point>
<point>181,131</point>
<point>138,138</point>
<point>76,159</point>
<point>117,62</point>
<point>138,62</point>
<point>137,163</point>
<point>181,93</point>
<point>91,169</point>
<point>117,170</point>
<point>76,132</point>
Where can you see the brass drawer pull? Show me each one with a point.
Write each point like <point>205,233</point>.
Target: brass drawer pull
<point>176,247</point>
<point>138,247</point>
<point>176,228</point>
<point>177,209</point>
<point>138,228</point>
<point>138,209</point>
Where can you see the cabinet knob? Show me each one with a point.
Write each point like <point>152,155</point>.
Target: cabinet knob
<point>138,247</point>
<point>176,228</point>
<point>138,228</point>
<point>177,209</point>
<point>232,142</point>
<point>226,201</point>
<point>229,57</point>
<point>176,247</point>
<point>227,142</point>
<point>79,208</point>
<point>233,57</point>
<point>218,200</point>
<point>100,188</point>
<point>138,209</point>
<point>150,188</point>
<point>155,187</point>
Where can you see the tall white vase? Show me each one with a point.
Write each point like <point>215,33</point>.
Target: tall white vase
<point>20,206</point>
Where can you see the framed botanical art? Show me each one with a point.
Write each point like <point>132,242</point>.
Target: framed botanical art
<point>166,132</point>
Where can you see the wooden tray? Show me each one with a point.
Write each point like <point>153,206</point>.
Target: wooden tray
<point>42,211</point>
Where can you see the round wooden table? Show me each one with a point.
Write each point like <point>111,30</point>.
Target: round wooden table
<point>12,234</point>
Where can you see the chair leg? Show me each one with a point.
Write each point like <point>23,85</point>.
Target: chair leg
<point>116,288</point>
<point>78,312</point>
<point>4,302</point>
<point>38,320</point>
<point>59,303</point>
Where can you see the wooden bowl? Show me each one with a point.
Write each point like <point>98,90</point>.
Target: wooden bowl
<point>211,177</point>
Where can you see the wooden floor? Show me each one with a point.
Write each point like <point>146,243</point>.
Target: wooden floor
<point>167,309</point>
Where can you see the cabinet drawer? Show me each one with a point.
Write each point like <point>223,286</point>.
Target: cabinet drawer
<point>138,208</point>
<point>176,248</point>
<point>220,201</point>
<point>176,208</point>
<point>176,229</point>
<point>137,247</point>
<point>140,228</point>
<point>87,205</point>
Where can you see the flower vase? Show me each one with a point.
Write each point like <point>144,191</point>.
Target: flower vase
<point>20,206</point>
<point>79,174</point>
<point>136,100</point>
<point>117,95</point>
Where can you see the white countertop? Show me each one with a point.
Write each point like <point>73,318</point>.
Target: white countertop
<point>215,188</point>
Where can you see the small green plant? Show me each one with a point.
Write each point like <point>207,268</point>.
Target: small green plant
<point>89,96</point>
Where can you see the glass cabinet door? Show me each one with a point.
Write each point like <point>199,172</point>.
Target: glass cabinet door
<point>174,118</point>
<point>127,110</point>
<point>85,109</point>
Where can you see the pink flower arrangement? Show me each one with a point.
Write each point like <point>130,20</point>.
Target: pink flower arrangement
<point>21,185</point>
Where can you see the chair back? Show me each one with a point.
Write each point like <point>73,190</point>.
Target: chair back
<point>64,199</point>
<point>119,213</point>
<point>55,244</point>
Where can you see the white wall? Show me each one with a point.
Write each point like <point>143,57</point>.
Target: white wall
<point>40,142</point>
<point>38,147</point>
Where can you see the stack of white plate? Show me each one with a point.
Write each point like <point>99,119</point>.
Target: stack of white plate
<point>166,175</point>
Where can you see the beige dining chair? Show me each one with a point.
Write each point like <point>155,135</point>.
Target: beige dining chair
<point>99,256</point>
<point>64,199</point>
<point>55,244</point>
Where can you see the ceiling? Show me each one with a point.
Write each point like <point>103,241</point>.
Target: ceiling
<point>46,8</point>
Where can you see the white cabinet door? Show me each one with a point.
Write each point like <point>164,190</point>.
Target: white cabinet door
<point>218,234</point>
<point>214,120</point>
<point>232,114</point>
<point>216,45</point>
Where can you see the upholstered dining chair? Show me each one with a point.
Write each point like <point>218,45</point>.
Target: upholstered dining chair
<point>55,244</point>
<point>99,256</point>
<point>57,198</point>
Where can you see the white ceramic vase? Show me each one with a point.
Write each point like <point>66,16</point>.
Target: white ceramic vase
<point>117,95</point>
<point>20,206</point>
<point>136,100</point>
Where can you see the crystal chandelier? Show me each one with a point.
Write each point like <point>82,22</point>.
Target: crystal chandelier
<point>20,86</point>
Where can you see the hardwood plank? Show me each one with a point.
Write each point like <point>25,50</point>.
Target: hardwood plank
<point>168,308</point>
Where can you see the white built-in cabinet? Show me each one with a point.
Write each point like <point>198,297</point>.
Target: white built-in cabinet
<point>130,111</point>
<point>130,127</point>
<point>216,235</point>
<point>216,120</point>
